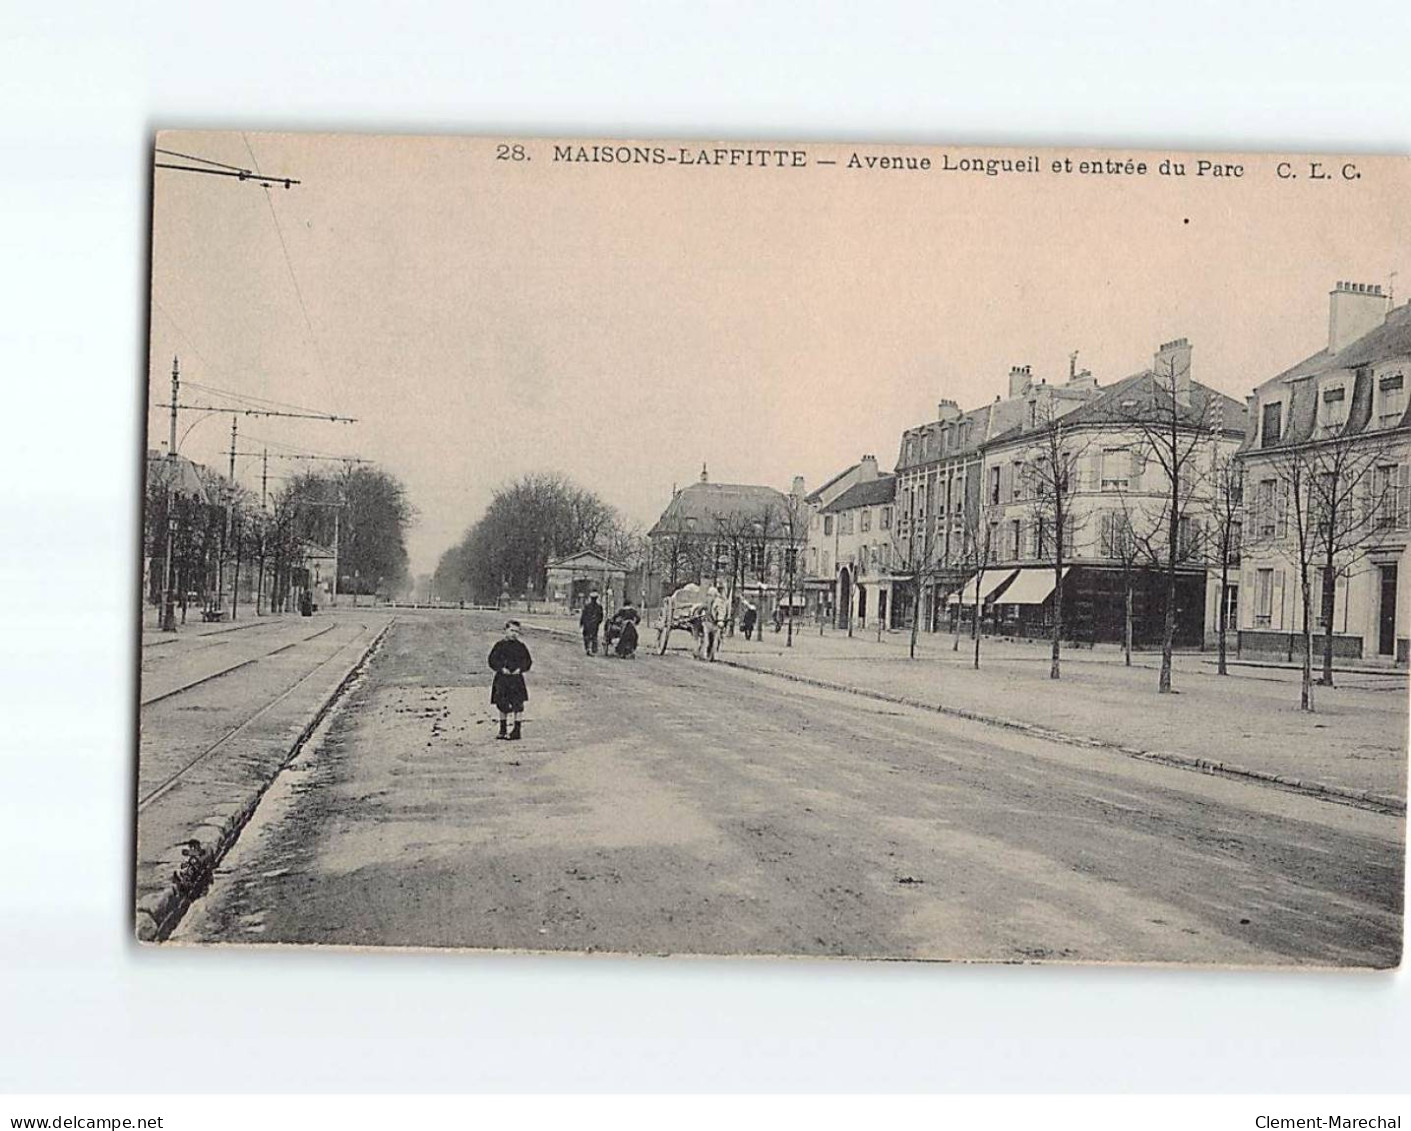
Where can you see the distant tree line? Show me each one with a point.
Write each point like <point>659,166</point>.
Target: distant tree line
<point>528,523</point>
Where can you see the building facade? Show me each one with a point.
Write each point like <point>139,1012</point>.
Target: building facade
<point>571,579</point>
<point>747,540</point>
<point>854,539</point>
<point>1334,432</point>
<point>1107,451</point>
<point>820,567</point>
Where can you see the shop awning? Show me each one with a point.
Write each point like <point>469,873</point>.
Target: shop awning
<point>1031,587</point>
<point>993,579</point>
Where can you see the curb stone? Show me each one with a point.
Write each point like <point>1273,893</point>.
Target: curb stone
<point>1358,798</point>
<point>158,913</point>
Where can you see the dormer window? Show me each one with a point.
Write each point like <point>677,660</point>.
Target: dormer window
<point>1332,407</point>
<point>1391,399</point>
<point>1271,424</point>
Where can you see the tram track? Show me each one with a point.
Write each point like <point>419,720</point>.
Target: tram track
<point>245,663</point>
<point>171,780</point>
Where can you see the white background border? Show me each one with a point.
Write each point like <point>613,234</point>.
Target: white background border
<point>81,91</point>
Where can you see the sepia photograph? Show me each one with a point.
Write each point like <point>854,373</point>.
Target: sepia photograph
<point>766,550</point>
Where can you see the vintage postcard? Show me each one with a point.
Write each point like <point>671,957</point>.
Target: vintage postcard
<point>755,549</point>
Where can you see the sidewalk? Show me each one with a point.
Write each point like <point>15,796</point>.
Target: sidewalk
<point>1355,743</point>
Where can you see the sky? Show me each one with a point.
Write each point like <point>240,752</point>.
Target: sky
<point>624,324</point>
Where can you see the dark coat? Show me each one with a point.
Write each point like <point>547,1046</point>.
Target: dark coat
<point>627,639</point>
<point>508,692</point>
<point>591,617</point>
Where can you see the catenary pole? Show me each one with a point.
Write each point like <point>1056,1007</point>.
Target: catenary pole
<point>168,597</point>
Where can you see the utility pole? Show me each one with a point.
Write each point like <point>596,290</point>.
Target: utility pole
<point>337,514</point>
<point>225,526</point>
<point>264,512</point>
<point>168,622</point>
<point>168,597</point>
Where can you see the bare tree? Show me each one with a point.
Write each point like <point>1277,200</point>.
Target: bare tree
<point>1175,426</point>
<point>764,531</point>
<point>1118,543</point>
<point>1354,497</point>
<point>1336,495</point>
<point>735,531</point>
<point>1293,516</point>
<point>973,554</point>
<point>794,519</point>
<point>1226,510</point>
<point>1051,474</point>
<point>914,555</point>
<point>683,549</point>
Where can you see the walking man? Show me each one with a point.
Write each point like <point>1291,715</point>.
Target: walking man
<point>589,620</point>
<point>747,620</point>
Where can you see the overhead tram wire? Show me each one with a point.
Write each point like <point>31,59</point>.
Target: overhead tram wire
<point>302,450</point>
<point>263,402</point>
<point>180,329</point>
<point>202,160</point>
<point>289,263</point>
<point>220,169</point>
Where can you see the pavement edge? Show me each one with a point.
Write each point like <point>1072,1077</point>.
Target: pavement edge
<point>158,913</point>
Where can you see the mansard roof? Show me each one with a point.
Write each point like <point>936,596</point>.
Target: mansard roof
<point>978,422</point>
<point>699,506</point>
<point>1117,404</point>
<point>1392,339</point>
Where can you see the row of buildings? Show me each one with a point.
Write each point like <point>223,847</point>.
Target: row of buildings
<point>980,500</point>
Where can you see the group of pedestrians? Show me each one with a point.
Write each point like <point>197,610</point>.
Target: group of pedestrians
<point>620,634</point>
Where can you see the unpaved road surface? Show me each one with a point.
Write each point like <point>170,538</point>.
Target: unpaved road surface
<point>664,806</point>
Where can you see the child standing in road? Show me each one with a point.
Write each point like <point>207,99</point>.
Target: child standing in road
<point>509,660</point>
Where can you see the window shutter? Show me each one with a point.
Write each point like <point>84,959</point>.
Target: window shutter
<point>1281,510</point>
<point>1403,496</point>
<point>1134,473</point>
<point>1276,619</point>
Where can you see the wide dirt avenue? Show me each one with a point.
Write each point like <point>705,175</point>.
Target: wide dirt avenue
<point>663,805</point>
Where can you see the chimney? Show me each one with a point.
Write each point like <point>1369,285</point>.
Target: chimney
<point>1354,309</point>
<point>1082,380</point>
<point>797,489</point>
<point>1172,366</point>
<point>867,469</point>
<point>704,477</point>
<point>947,411</point>
<point>1019,380</point>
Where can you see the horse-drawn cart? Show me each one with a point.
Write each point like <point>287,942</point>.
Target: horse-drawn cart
<point>698,611</point>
